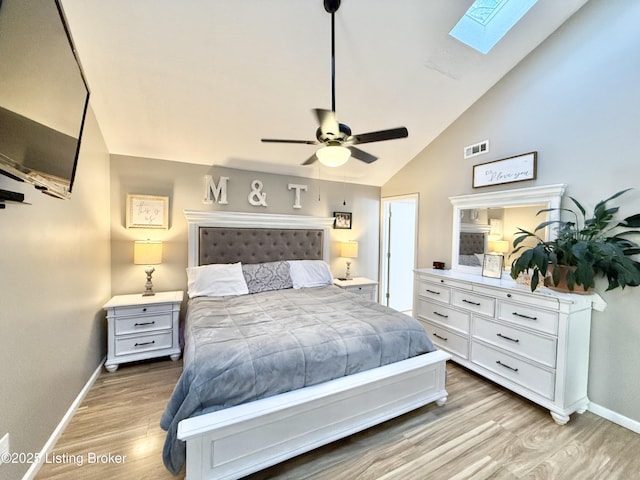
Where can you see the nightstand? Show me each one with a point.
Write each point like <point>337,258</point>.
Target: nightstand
<point>360,285</point>
<point>142,327</point>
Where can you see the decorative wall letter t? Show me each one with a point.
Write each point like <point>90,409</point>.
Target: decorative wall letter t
<point>257,197</point>
<point>297,188</point>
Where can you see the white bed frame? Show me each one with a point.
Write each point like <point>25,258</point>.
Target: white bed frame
<point>237,441</point>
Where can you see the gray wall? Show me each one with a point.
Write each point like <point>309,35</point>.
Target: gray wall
<point>55,277</point>
<point>184,185</point>
<point>576,101</point>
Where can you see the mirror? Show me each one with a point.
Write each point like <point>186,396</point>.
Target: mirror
<point>485,222</point>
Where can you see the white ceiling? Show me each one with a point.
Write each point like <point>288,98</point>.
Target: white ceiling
<point>202,81</point>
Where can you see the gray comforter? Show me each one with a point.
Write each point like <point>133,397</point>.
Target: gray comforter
<point>243,348</point>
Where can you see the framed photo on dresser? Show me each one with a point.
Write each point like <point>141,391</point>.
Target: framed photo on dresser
<point>492,265</point>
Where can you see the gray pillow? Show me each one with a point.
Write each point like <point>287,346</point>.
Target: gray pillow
<point>262,277</point>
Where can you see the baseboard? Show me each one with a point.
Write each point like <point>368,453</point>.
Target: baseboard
<point>48,446</point>
<point>614,417</point>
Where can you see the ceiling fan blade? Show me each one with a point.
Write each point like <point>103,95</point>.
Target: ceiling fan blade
<point>327,121</point>
<point>362,155</point>
<point>310,160</point>
<point>379,136</point>
<point>275,140</point>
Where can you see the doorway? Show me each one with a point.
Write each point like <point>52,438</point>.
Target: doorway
<point>398,256</point>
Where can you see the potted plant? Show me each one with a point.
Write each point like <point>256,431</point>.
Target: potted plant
<point>583,249</point>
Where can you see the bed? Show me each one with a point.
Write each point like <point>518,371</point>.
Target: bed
<point>272,417</point>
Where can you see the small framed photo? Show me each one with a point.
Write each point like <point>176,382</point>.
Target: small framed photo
<point>492,265</point>
<point>342,220</point>
<point>147,211</point>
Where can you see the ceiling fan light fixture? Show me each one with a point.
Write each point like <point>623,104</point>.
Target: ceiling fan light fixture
<point>333,156</point>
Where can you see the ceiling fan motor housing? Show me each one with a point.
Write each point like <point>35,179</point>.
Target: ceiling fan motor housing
<point>342,136</point>
<point>331,6</point>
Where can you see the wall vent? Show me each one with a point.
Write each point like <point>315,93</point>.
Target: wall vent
<point>477,149</point>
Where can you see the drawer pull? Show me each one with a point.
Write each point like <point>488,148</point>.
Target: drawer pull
<point>477,304</point>
<point>140,324</point>
<point>441,338</point>
<point>144,309</point>
<point>524,316</point>
<point>433,291</point>
<point>514,340</point>
<point>506,366</point>
<point>441,314</point>
<point>145,343</point>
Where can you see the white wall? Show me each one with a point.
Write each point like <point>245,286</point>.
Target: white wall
<point>184,185</point>
<point>54,279</point>
<point>576,101</point>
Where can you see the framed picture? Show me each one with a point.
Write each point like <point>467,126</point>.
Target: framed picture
<point>492,265</point>
<point>342,220</point>
<point>147,211</point>
<point>508,170</point>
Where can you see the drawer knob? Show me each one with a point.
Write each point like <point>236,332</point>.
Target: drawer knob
<point>506,366</point>
<point>514,340</point>
<point>508,295</point>
<point>520,315</point>
<point>144,309</point>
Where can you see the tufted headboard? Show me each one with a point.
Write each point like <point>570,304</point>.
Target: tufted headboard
<point>258,245</point>
<point>471,242</point>
<point>229,237</point>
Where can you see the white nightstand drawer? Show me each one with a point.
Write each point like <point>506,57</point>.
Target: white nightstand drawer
<point>447,340</point>
<point>136,310</point>
<point>536,379</point>
<point>475,303</point>
<point>143,323</point>
<point>142,343</point>
<point>434,291</point>
<point>443,315</point>
<point>534,346</point>
<point>542,320</point>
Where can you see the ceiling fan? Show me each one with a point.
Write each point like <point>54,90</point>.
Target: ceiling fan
<point>336,137</point>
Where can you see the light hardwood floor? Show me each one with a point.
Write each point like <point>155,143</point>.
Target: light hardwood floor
<point>483,432</point>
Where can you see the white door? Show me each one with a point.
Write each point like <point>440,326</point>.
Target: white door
<point>399,235</point>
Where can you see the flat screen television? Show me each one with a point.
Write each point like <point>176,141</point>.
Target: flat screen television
<point>43,96</point>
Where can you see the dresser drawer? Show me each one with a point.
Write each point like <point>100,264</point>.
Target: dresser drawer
<point>536,379</point>
<point>441,314</point>
<point>142,343</point>
<point>536,347</point>
<point>530,317</point>
<point>475,303</point>
<point>135,310</point>
<point>533,299</point>
<point>435,291</point>
<point>143,323</point>
<point>447,340</point>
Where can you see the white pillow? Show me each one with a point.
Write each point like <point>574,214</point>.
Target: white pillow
<point>310,273</point>
<point>216,280</point>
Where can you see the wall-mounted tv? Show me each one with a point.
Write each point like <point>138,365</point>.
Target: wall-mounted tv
<point>43,96</point>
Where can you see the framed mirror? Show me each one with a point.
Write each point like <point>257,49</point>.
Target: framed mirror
<point>485,223</point>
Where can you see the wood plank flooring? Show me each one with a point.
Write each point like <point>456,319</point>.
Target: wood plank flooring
<point>483,432</point>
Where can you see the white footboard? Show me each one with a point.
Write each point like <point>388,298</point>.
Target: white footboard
<point>237,441</point>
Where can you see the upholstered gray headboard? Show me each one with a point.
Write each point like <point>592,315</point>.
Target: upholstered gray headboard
<point>471,242</point>
<point>258,245</point>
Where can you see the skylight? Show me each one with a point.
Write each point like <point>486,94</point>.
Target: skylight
<point>487,21</point>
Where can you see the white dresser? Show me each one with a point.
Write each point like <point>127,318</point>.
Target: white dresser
<point>535,344</point>
<point>142,327</point>
<point>360,285</point>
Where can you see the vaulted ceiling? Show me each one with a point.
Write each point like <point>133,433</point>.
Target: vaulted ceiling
<point>202,81</point>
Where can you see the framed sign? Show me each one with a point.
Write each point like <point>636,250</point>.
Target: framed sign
<point>508,170</point>
<point>147,211</point>
<point>342,220</point>
<point>492,265</point>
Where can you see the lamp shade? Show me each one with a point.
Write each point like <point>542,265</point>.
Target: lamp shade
<point>349,249</point>
<point>147,252</point>
<point>499,246</point>
<point>333,156</point>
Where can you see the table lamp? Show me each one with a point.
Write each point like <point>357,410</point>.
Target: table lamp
<point>147,252</point>
<point>349,250</point>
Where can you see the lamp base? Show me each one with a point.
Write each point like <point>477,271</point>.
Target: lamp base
<point>347,275</point>
<point>148,287</point>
